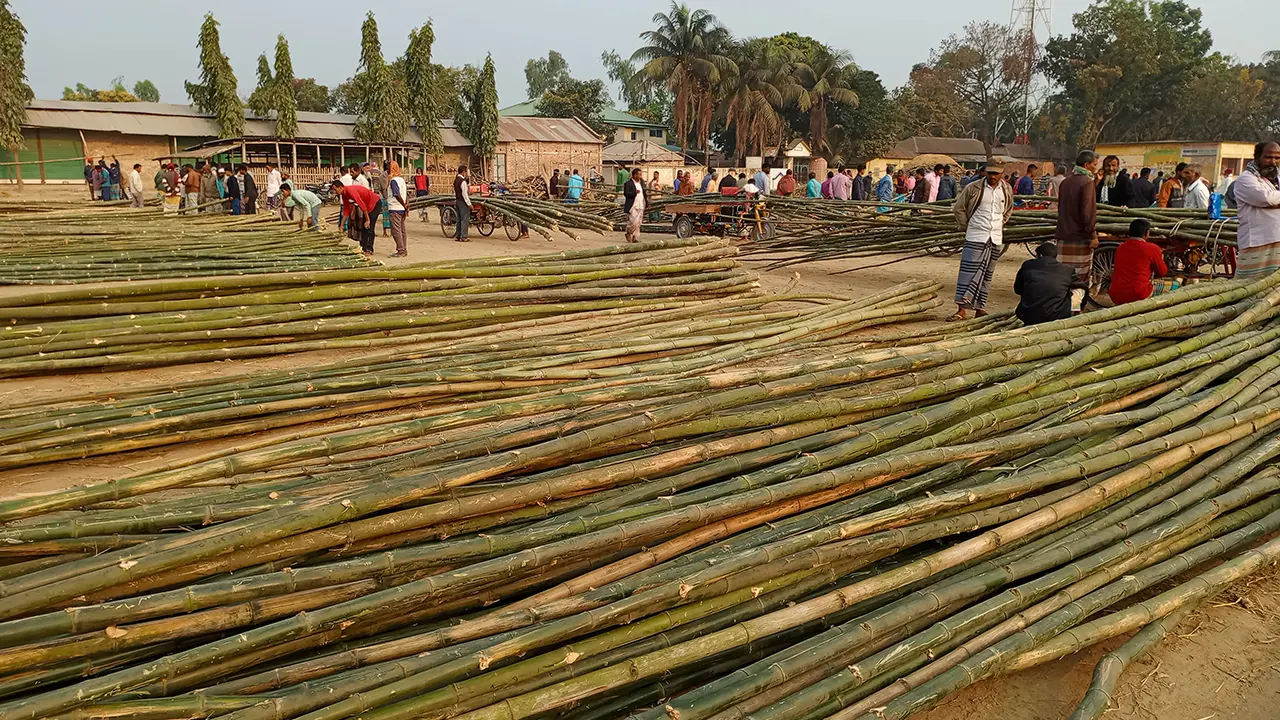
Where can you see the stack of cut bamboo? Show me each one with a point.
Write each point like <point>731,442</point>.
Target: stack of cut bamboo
<point>722,509</point>
<point>198,319</point>
<point>545,217</point>
<point>119,243</point>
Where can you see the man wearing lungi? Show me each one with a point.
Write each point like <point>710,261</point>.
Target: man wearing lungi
<point>981,210</point>
<point>1258,196</point>
<point>1077,232</point>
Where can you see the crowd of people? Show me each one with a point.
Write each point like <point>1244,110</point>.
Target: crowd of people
<point>1053,285</point>
<point>209,188</point>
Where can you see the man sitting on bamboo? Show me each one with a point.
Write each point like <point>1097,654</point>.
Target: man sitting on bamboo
<point>982,209</point>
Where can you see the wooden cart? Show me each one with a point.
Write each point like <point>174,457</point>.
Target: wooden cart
<point>1190,259</point>
<point>742,218</point>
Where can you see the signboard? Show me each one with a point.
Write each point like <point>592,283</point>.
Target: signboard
<point>755,162</point>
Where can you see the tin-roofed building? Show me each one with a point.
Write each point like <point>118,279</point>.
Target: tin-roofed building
<point>60,134</point>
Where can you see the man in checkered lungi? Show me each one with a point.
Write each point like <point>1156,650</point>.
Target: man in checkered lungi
<point>1077,232</point>
<point>981,210</point>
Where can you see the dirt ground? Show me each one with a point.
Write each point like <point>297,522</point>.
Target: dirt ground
<point>1224,661</point>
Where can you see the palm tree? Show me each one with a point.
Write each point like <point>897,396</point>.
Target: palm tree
<point>686,52</point>
<point>824,78</point>
<point>754,96</point>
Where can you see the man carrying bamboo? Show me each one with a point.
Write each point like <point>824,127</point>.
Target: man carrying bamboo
<point>981,210</point>
<point>1077,230</point>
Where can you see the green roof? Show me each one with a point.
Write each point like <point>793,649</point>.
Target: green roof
<point>608,115</point>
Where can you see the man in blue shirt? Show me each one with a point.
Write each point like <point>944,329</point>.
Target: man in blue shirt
<point>707,179</point>
<point>1027,183</point>
<point>574,193</point>
<point>884,188</point>
<point>761,179</point>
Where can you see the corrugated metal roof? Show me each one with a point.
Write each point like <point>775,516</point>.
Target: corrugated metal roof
<point>185,121</point>
<point>640,151</point>
<point>958,148</point>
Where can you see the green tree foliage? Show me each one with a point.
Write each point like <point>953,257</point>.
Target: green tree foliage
<point>687,52</point>
<point>541,75</point>
<point>14,91</point>
<point>583,99</point>
<point>484,112</point>
<point>381,103</point>
<point>465,80</point>
<point>988,68</point>
<point>285,104</point>
<point>216,91</point>
<point>1125,62</point>
<point>824,77</point>
<point>931,106</point>
<point>116,93</point>
<point>423,82</point>
<point>310,96</point>
<point>755,93</point>
<point>146,91</point>
<point>260,100</point>
<point>870,128</point>
<point>1268,71</point>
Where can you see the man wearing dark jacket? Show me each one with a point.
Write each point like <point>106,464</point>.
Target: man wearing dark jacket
<point>1077,230</point>
<point>634,204</point>
<point>1142,191</point>
<point>1045,286</point>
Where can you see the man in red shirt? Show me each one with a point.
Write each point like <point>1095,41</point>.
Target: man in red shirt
<point>1137,261</point>
<point>363,206</point>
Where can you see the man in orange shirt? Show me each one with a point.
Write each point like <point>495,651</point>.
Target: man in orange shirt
<point>1137,259</point>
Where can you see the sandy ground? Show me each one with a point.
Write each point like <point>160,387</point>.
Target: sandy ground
<point>1223,663</point>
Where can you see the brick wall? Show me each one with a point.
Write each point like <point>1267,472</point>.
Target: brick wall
<point>129,149</point>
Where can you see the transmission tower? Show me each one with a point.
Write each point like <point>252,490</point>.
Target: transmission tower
<point>1035,19</point>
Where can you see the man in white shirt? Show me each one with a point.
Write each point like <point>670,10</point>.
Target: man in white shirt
<point>273,187</point>
<point>1224,183</point>
<point>1197,191</point>
<point>135,187</point>
<point>1258,199</point>
<point>397,206</point>
<point>981,210</point>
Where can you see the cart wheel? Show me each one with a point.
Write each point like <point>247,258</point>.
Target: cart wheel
<point>512,227</point>
<point>485,227</point>
<point>683,227</point>
<point>448,221</point>
<point>765,231</point>
<point>1104,265</point>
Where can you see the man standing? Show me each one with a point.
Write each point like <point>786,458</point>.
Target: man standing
<point>1197,192</point>
<point>813,188</point>
<point>920,188</point>
<point>113,172</point>
<point>553,185</point>
<point>761,179</point>
<point>1142,192</point>
<point>249,187</point>
<point>191,187</point>
<point>208,189</point>
<point>856,189</point>
<point>305,199</point>
<point>95,181</point>
<point>1172,193</point>
<point>462,203</point>
<point>135,187</point>
<point>234,194</point>
<point>946,184</point>
<point>827,192</point>
<point>634,203</point>
<point>273,187</point>
<point>397,206</point>
<point>931,179</point>
<point>1113,186</point>
<point>675,182</point>
<point>686,183</point>
<point>1077,231</point>
<point>1055,184</point>
<point>421,183</point>
<point>728,185</point>
<point>1137,260</point>
<point>868,186</point>
<point>89,174</point>
<point>1027,183</point>
<point>1258,197</point>
<point>981,211</point>
<point>1045,286</point>
<point>574,192</point>
<point>884,188</point>
<point>841,185</point>
<point>707,179</point>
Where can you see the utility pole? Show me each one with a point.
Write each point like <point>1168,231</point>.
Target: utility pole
<point>1032,18</point>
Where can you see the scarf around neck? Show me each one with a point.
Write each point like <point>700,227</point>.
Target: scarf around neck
<point>1080,171</point>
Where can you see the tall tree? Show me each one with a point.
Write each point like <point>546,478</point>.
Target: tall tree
<point>651,101</point>
<point>583,99</point>
<point>467,81</point>
<point>686,52</point>
<point>484,110</point>
<point>146,91</point>
<point>824,78</point>
<point>930,105</point>
<point>422,78</point>
<point>284,102</point>
<point>870,128</point>
<point>755,93</point>
<point>543,74</point>
<point>216,91</point>
<point>988,67</point>
<point>261,100</point>
<point>310,96</point>
<point>1122,63</point>
<point>14,91</point>
<point>381,102</point>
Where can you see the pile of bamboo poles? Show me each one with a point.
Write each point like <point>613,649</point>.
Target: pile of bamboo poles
<point>102,243</point>
<point>847,526</point>
<point>199,319</point>
<point>812,230</point>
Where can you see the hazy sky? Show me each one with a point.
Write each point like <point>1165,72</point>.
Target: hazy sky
<point>70,41</point>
